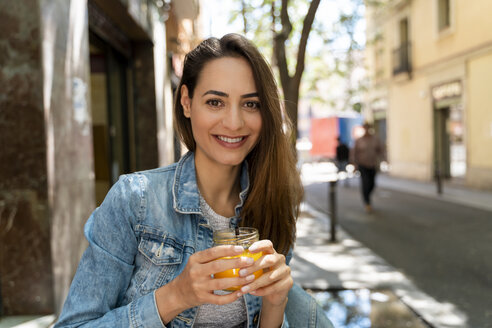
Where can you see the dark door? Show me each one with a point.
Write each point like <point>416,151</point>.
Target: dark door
<point>442,158</point>
<point>111,121</point>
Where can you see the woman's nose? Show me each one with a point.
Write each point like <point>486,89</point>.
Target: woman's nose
<point>233,118</point>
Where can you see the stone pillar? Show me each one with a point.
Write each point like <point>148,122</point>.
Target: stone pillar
<point>69,158</point>
<point>46,163</point>
<point>163,92</point>
<point>25,259</point>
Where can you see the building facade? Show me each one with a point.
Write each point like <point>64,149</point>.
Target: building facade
<point>430,67</point>
<point>85,96</point>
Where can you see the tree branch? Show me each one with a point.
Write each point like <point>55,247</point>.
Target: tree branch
<point>301,53</point>
<point>279,45</point>
<point>245,20</point>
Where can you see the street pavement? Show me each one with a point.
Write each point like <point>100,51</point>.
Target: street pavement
<point>433,250</point>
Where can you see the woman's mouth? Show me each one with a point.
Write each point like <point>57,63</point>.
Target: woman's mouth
<point>230,140</point>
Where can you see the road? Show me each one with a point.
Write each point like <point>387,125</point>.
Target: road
<point>444,248</point>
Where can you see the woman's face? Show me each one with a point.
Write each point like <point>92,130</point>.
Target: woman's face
<point>224,112</point>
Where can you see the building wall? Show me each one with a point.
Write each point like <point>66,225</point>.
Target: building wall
<point>24,210</point>
<point>461,53</point>
<point>47,180</point>
<point>479,121</point>
<point>409,130</point>
<point>472,28</point>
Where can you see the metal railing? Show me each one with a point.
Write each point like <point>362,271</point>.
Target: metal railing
<point>402,59</point>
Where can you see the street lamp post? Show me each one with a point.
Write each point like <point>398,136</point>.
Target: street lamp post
<point>332,201</point>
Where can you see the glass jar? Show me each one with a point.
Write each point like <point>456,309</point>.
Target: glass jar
<point>245,237</point>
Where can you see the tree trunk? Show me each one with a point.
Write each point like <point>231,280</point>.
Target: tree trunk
<point>291,84</point>
<point>291,102</point>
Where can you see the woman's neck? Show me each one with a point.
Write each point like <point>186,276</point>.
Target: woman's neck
<point>219,186</point>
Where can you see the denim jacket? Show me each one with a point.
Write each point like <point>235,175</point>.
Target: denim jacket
<point>140,239</point>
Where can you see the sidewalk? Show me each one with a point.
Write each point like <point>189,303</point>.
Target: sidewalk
<point>27,321</point>
<point>347,264</point>
<point>457,194</point>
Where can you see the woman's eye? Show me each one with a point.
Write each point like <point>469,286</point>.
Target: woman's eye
<point>213,102</point>
<point>252,104</point>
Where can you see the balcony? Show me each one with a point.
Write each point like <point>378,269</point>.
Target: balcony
<point>402,59</point>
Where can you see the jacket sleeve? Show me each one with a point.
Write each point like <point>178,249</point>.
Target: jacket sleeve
<point>106,267</point>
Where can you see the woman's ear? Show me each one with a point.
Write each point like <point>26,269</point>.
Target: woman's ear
<point>185,101</point>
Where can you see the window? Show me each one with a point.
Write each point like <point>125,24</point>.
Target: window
<point>444,14</point>
<point>401,55</point>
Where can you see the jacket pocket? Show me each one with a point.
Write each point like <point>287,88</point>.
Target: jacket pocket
<point>158,261</point>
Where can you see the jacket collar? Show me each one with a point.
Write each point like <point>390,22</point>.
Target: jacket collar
<point>186,198</point>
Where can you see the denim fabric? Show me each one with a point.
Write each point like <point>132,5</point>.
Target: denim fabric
<point>140,239</point>
<point>302,310</point>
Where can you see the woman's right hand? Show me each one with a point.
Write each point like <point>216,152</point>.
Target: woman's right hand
<point>195,285</point>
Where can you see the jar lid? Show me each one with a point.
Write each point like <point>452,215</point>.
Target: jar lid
<point>245,237</point>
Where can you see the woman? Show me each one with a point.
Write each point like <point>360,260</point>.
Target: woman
<point>151,260</point>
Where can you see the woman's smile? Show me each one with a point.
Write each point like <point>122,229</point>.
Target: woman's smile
<point>231,142</point>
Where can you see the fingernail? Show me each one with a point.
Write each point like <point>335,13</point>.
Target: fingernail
<point>242,272</point>
<point>245,289</point>
<point>238,249</point>
<point>250,277</point>
<point>249,260</point>
<point>253,248</point>
<point>239,294</point>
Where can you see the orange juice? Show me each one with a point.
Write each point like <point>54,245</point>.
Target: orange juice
<point>243,237</point>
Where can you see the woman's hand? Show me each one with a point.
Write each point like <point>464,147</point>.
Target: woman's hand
<point>195,285</point>
<point>276,281</point>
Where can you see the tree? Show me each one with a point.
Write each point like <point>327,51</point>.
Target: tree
<point>291,82</point>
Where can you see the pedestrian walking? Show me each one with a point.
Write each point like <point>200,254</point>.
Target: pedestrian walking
<point>367,154</point>
<point>151,261</point>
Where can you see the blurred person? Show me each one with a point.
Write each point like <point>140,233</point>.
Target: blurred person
<point>342,155</point>
<point>367,153</point>
<point>151,260</point>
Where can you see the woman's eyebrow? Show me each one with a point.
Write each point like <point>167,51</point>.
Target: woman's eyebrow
<point>223,94</point>
<point>215,92</point>
<point>250,95</point>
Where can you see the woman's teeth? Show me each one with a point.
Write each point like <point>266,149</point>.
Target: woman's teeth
<point>230,140</point>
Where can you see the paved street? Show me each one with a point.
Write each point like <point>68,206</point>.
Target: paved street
<point>443,247</point>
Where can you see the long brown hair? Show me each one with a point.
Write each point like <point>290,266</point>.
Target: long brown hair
<point>275,190</point>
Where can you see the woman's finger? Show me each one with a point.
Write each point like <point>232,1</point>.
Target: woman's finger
<point>225,264</point>
<point>268,278</point>
<point>264,245</point>
<point>265,263</point>
<point>217,252</point>
<point>277,291</point>
<point>225,283</point>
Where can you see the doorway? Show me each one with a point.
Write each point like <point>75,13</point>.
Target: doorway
<point>449,143</point>
<point>111,122</point>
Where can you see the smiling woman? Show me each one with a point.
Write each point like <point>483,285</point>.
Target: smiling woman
<point>151,259</point>
<point>224,115</point>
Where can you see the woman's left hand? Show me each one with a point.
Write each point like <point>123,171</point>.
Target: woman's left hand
<point>276,281</point>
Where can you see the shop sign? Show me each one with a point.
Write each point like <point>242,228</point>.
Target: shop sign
<point>448,90</point>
